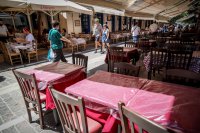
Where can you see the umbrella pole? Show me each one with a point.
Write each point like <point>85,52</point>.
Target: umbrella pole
<point>13,20</point>
<point>51,13</point>
<point>29,21</point>
<point>73,21</point>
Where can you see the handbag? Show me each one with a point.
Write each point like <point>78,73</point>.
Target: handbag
<point>50,55</point>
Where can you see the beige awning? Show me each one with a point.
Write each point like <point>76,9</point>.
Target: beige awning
<point>107,10</point>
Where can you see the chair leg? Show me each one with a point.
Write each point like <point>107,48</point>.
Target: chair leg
<point>29,60</point>
<point>36,56</point>
<point>21,59</point>
<point>41,117</point>
<point>149,75</point>
<point>28,112</point>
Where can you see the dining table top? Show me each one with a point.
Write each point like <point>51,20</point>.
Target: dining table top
<point>53,71</point>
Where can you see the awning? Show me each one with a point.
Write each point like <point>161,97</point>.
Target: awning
<point>107,10</point>
<point>44,5</point>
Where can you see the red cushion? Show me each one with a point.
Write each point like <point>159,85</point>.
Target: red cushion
<point>93,126</point>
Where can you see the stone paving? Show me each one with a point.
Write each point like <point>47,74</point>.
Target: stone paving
<point>13,116</point>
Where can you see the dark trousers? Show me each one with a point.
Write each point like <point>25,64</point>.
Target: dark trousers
<point>58,55</point>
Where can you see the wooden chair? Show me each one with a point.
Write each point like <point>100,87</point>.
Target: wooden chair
<point>129,44</point>
<point>80,59</point>
<point>144,46</point>
<point>117,49</point>
<point>126,69</point>
<point>31,95</point>
<point>115,54</point>
<point>158,60</point>
<point>129,116</point>
<point>33,54</point>
<point>72,114</point>
<point>14,57</point>
<point>183,77</point>
<point>179,59</point>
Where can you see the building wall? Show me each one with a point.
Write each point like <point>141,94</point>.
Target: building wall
<point>63,20</point>
<point>71,23</point>
<point>44,22</point>
<point>104,18</point>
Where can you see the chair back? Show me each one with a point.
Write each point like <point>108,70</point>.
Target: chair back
<point>126,69</point>
<point>175,46</point>
<point>28,86</point>
<point>129,44</point>
<point>179,59</point>
<point>144,45</point>
<point>129,116</point>
<point>67,107</point>
<point>80,59</point>
<point>183,77</point>
<point>116,49</point>
<point>35,45</point>
<point>115,54</point>
<point>187,41</point>
<point>158,58</point>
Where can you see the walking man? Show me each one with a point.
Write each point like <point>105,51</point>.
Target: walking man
<point>56,44</point>
<point>97,33</point>
<point>135,30</point>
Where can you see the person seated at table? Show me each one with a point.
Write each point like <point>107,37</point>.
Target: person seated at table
<point>105,38</point>
<point>28,39</point>
<point>3,32</point>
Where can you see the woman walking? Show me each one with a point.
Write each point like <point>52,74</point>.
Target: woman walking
<point>105,38</point>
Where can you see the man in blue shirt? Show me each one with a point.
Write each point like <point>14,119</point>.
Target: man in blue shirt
<point>56,44</point>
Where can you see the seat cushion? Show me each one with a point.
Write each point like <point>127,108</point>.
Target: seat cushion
<point>93,126</point>
<point>42,97</point>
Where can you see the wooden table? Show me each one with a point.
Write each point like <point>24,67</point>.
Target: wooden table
<point>58,74</point>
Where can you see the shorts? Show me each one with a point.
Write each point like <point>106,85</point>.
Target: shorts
<point>135,39</point>
<point>97,38</point>
<point>105,41</point>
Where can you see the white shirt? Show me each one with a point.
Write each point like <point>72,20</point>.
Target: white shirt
<point>135,30</point>
<point>30,38</point>
<point>153,27</point>
<point>3,30</point>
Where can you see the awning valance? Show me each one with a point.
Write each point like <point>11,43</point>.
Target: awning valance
<point>107,10</point>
